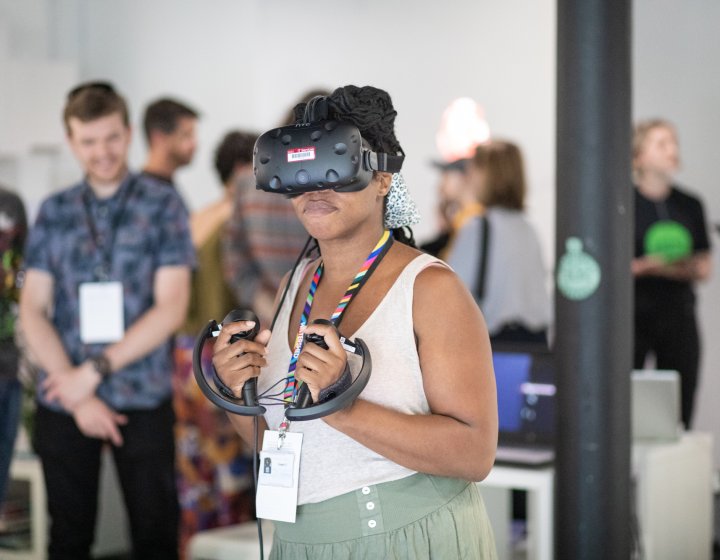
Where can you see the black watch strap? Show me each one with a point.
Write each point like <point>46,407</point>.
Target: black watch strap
<point>101,365</point>
<point>338,387</point>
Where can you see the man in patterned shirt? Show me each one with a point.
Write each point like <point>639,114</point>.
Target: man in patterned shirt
<point>107,283</point>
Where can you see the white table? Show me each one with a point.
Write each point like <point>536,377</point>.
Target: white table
<point>674,497</point>
<point>236,542</point>
<point>674,500</point>
<point>540,486</point>
<point>27,467</point>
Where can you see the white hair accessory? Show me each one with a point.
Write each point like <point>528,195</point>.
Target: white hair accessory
<point>400,209</point>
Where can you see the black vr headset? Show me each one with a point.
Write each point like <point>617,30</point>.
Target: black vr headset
<point>318,154</point>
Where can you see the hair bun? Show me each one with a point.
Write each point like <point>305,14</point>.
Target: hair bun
<point>371,110</point>
<point>367,104</point>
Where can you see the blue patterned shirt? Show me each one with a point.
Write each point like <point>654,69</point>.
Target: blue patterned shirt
<point>152,231</point>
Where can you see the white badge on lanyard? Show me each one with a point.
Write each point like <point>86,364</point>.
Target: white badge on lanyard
<point>277,491</point>
<point>102,316</point>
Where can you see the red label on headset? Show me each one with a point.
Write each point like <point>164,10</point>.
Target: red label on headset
<point>301,154</point>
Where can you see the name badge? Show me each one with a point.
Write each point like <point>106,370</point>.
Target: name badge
<point>277,490</point>
<point>102,316</point>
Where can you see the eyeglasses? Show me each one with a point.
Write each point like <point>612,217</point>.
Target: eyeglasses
<point>106,87</point>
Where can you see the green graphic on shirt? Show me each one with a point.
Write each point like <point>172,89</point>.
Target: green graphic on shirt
<point>578,274</point>
<point>669,240</point>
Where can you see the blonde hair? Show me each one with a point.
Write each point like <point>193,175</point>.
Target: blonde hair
<point>505,176</point>
<point>643,129</point>
<point>640,134</point>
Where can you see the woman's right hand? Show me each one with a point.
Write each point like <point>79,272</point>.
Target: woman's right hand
<point>236,363</point>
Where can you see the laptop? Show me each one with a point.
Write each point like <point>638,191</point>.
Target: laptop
<point>655,406</point>
<point>525,378</point>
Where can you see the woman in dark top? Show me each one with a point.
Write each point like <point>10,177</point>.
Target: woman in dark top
<point>671,254</point>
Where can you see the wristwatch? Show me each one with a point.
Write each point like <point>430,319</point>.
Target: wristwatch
<point>101,365</point>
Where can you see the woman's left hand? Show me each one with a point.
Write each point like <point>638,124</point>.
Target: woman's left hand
<point>317,367</point>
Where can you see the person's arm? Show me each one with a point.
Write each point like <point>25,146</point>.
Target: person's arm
<point>40,335</point>
<point>95,419</point>
<point>459,436</point>
<point>171,294</point>
<point>698,267</point>
<point>204,223</point>
<point>224,363</point>
<point>237,363</point>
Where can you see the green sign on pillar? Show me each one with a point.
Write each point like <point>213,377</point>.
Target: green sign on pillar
<point>578,275</point>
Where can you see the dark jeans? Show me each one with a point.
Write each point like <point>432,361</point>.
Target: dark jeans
<point>668,330</point>
<point>146,469</point>
<point>10,405</point>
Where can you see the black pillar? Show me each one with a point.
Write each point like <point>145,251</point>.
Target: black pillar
<point>594,284</point>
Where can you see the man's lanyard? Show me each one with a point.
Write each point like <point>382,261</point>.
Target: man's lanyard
<point>371,263</point>
<point>105,246</point>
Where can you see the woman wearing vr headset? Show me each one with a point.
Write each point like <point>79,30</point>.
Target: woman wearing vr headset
<point>391,475</point>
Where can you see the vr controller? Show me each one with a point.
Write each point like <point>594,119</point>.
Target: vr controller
<point>304,398</point>
<point>303,408</point>
<point>225,398</point>
<point>319,155</point>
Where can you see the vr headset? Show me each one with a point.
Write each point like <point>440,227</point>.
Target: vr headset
<point>318,154</point>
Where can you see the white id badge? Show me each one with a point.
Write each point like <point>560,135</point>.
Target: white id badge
<point>277,468</point>
<point>102,317</point>
<point>278,478</point>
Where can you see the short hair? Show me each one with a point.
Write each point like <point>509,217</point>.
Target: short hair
<point>643,129</point>
<point>505,176</point>
<point>235,148</point>
<point>90,101</point>
<point>164,114</point>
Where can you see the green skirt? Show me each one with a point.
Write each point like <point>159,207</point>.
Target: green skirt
<point>420,517</point>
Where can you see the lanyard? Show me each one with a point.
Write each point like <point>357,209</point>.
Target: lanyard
<point>105,246</point>
<point>371,263</point>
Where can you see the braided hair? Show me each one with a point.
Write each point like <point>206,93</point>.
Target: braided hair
<point>371,110</point>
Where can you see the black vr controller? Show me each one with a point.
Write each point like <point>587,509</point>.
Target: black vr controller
<point>304,398</point>
<point>303,408</point>
<point>226,399</point>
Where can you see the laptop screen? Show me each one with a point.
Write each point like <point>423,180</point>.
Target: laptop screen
<point>526,395</point>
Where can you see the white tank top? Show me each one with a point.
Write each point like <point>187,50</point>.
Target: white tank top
<point>331,462</point>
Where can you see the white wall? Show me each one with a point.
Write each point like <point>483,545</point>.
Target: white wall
<point>244,63</point>
<point>676,71</point>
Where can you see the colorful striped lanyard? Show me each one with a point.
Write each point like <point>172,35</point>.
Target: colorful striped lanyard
<point>361,277</point>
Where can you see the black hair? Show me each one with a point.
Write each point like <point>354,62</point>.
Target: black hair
<point>368,108</point>
<point>405,235</point>
<point>371,110</point>
<point>289,117</point>
<point>164,114</point>
<point>235,148</point>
